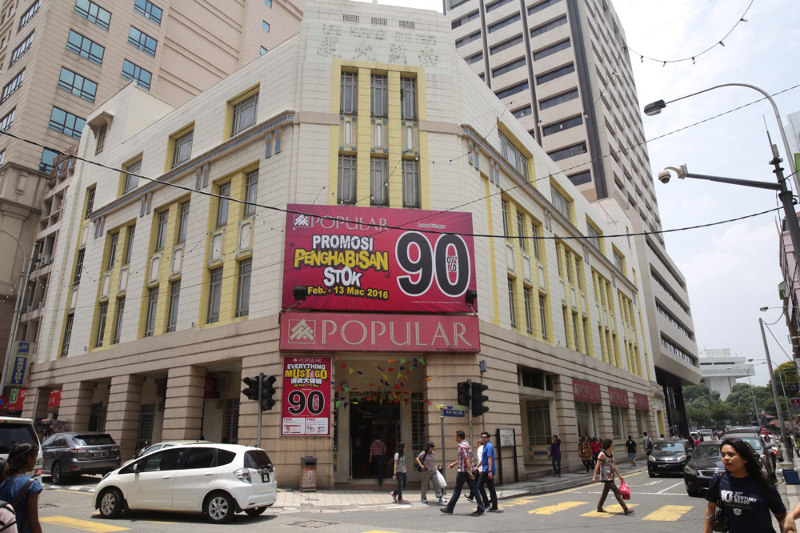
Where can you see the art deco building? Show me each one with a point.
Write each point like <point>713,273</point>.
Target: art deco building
<point>58,61</point>
<point>372,231</point>
<point>561,67</point>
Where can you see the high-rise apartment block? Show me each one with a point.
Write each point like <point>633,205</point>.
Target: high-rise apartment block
<point>61,59</point>
<point>561,67</point>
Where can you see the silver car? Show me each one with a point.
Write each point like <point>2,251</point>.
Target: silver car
<point>72,454</point>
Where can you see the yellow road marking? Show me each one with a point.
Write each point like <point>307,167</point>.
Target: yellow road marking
<point>81,525</point>
<point>669,513</point>
<point>551,509</point>
<point>520,501</point>
<point>611,511</point>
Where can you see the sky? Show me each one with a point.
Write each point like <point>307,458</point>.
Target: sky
<point>731,270</point>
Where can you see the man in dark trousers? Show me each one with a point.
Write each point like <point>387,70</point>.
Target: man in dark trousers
<point>464,475</point>
<point>487,473</point>
<point>377,450</point>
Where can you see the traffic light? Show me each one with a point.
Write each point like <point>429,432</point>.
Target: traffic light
<point>267,392</point>
<point>478,399</point>
<point>464,392</point>
<point>252,388</point>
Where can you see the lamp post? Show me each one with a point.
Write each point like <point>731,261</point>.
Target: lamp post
<point>654,108</point>
<point>17,310</point>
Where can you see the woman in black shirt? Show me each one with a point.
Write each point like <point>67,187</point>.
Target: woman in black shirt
<point>746,495</point>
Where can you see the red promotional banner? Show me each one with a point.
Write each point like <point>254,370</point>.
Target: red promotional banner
<point>306,395</point>
<point>358,332</point>
<point>586,391</point>
<point>349,258</point>
<point>618,397</point>
<point>640,402</point>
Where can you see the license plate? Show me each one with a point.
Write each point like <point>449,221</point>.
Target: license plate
<point>265,477</point>
<point>663,466</point>
<point>98,454</point>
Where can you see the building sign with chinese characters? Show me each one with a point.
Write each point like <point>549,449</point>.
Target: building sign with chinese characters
<point>640,402</point>
<point>19,364</point>
<point>306,396</point>
<point>348,258</point>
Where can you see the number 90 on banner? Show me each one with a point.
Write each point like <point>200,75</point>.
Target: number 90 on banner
<point>445,263</point>
<point>301,402</point>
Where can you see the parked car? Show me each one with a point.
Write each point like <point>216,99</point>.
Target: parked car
<point>704,463</point>
<point>167,444</point>
<point>668,457</point>
<point>18,430</point>
<point>217,480</point>
<point>72,454</point>
<point>752,436</point>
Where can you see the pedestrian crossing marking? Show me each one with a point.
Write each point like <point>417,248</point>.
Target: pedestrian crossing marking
<point>611,510</point>
<point>669,513</point>
<point>520,501</point>
<point>552,509</point>
<point>81,525</point>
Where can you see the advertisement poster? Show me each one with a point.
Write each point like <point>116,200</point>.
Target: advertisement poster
<point>348,258</point>
<point>306,395</point>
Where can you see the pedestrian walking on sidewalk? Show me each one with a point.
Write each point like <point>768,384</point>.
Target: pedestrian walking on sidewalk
<point>476,470</point>
<point>596,446</point>
<point>487,473</point>
<point>377,451</point>
<point>746,495</point>
<point>464,475</point>
<point>555,455</point>
<point>648,444</point>
<point>400,474</point>
<point>606,468</point>
<point>630,445</point>
<point>426,464</point>
<point>585,453</point>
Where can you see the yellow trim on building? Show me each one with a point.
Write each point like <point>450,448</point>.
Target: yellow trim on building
<point>229,105</point>
<point>169,158</point>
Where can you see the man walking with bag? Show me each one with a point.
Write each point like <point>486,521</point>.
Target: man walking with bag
<point>464,475</point>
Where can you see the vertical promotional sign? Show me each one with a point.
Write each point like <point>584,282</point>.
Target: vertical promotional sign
<point>19,364</point>
<point>306,396</point>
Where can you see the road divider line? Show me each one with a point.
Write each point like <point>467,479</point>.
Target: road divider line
<point>669,513</point>
<point>552,509</point>
<point>671,487</point>
<point>80,525</point>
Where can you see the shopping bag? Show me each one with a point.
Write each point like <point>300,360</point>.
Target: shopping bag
<point>624,491</point>
<point>440,479</point>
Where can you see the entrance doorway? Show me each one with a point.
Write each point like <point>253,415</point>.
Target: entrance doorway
<point>369,421</point>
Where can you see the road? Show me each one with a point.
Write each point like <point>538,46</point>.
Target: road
<point>660,505</point>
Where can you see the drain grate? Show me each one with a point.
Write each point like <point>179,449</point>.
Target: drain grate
<point>312,524</point>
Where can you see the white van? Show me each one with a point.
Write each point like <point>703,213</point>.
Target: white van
<point>16,430</point>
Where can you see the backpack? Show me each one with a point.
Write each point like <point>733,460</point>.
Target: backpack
<point>8,519</point>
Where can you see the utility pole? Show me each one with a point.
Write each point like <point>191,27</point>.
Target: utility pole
<point>786,444</point>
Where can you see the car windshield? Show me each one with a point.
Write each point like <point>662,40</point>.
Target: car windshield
<point>668,447</point>
<point>12,433</point>
<point>754,442</point>
<point>93,440</point>
<point>707,452</point>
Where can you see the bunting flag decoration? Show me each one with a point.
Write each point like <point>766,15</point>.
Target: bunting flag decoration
<point>390,361</point>
<point>336,404</point>
<point>402,361</point>
<point>391,369</point>
<point>428,378</point>
<point>350,371</point>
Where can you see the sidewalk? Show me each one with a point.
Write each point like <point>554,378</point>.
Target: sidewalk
<point>354,499</point>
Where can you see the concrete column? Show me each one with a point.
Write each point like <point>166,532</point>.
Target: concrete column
<point>124,404</point>
<point>183,412</point>
<point>564,424</point>
<point>76,404</point>
<point>35,405</point>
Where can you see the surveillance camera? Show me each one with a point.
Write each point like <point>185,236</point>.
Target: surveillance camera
<point>664,176</point>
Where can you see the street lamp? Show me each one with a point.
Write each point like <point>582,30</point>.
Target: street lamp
<point>17,310</point>
<point>654,108</point>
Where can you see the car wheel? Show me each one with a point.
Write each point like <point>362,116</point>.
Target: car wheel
<point>650,473</point>
<point>255,511</point>
<point>111,503</point>
<point>56,473</point>
<point>219,507</point>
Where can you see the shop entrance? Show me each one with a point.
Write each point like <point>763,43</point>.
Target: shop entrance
<point>370,420</point>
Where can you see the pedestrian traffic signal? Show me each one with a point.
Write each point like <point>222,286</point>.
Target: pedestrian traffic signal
<point>478,399</point>
<point>464,392</point>
<point>267,392</point>
<point>252,388</point>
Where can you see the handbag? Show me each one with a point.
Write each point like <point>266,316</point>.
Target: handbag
<point>718,520</point>
<point>440,479</point>
<point>416,466</point>
<point>625,491</point>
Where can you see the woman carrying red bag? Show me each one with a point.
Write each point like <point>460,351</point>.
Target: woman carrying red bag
<point>607,469</point>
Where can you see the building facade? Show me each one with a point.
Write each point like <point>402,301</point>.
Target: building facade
<point>371,231</point>
<point>720,370</point>
<point>63,59</point>
<point>561,67</point>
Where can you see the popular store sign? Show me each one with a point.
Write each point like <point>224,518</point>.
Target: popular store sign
<point>349,258</point>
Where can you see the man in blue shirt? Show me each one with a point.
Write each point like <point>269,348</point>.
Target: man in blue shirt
<point>487,472</point>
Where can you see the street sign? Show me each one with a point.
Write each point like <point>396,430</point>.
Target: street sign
<point>506,437</point>
<point>453,412</point>
<point>19,365</point>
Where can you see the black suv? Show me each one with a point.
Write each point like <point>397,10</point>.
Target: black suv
<point>668,457</point>
<point>705,462</point>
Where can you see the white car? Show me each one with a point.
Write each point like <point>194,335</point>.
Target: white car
<point>17,430</point>
<point>218,480</point>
